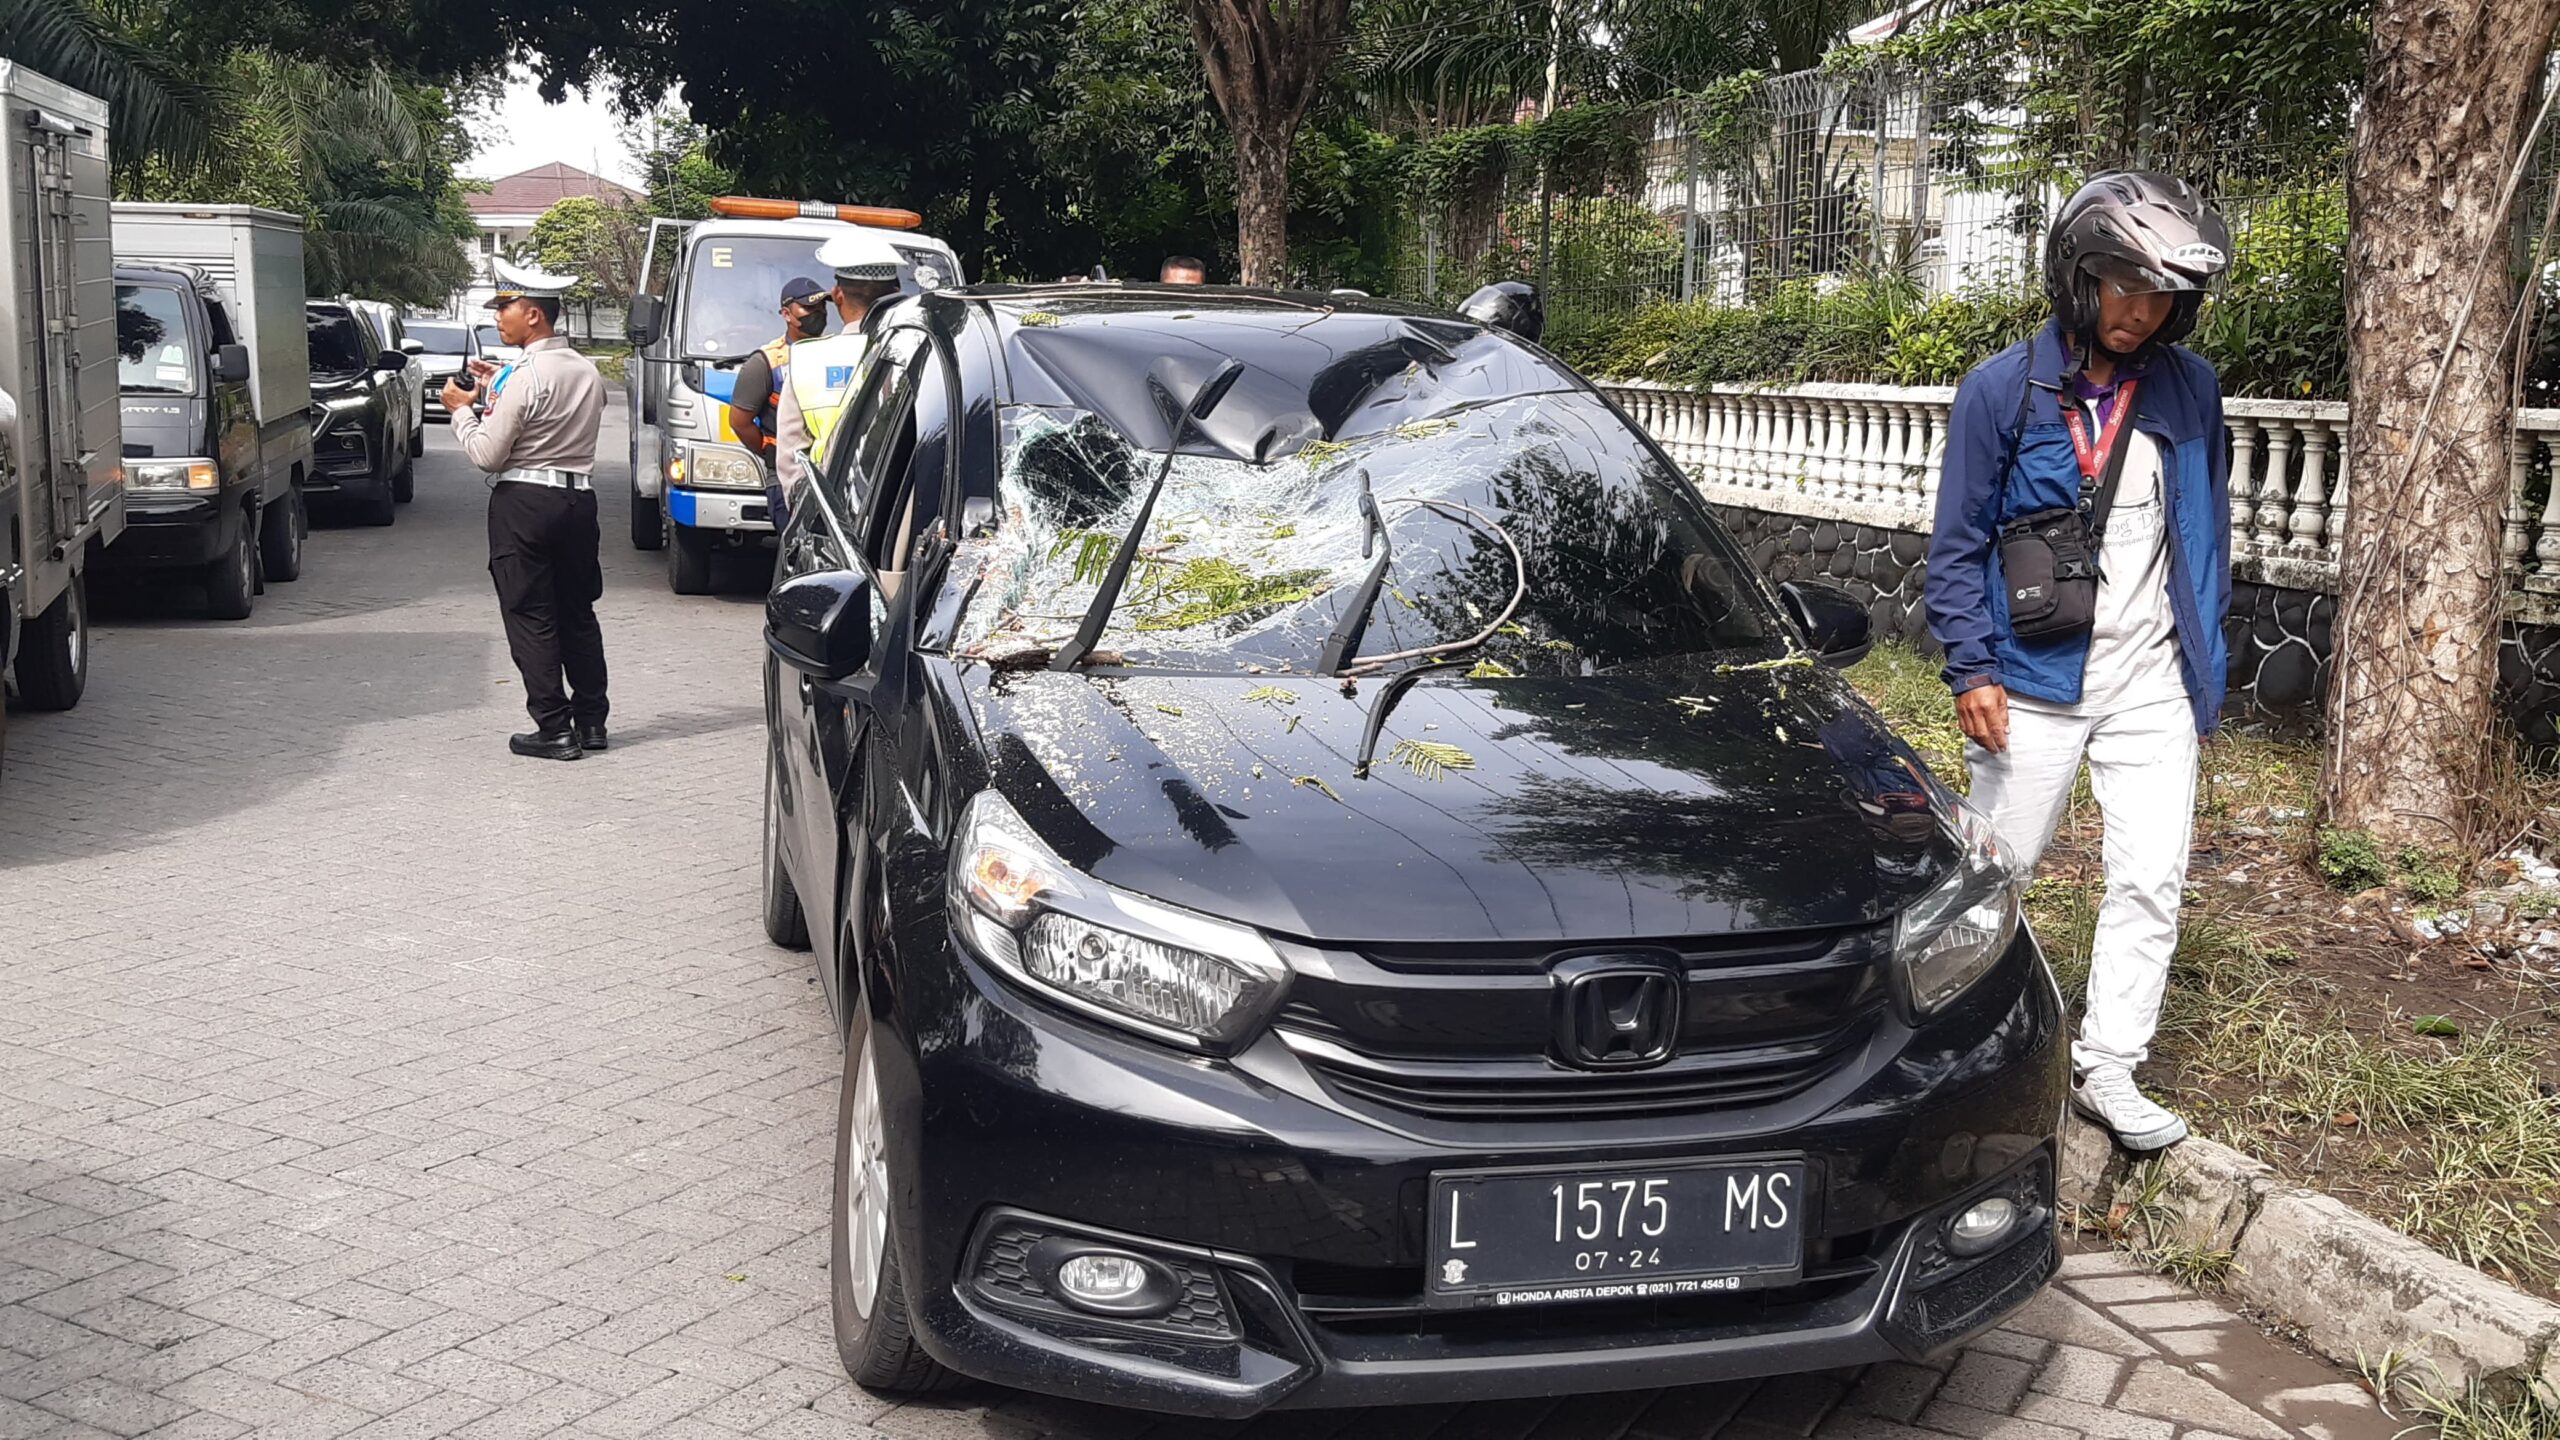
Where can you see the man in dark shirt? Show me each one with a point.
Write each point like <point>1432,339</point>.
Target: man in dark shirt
<point>760,379</point>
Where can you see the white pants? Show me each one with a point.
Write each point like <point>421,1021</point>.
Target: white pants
<point>2142,765</point>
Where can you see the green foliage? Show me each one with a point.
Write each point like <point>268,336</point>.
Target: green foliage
<point>367,159</point>
<point>1219,589</point>
<point>2279,326</point>
<point>2251,89</point>
<point>599,243</point>
<point>2350,860</point>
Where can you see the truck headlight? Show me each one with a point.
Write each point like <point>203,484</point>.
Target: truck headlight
<point>1166,972</point>
<point>718,467</point>
<point>1952,936</point>
<point>172,475</point>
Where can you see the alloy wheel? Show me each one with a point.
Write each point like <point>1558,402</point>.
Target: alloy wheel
<point>866,1197</point>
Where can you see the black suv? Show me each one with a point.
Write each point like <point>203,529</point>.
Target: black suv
<point>1343,888</point>
<point>364,440</point>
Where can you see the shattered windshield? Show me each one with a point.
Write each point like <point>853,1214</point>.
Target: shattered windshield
<point>1250,566</point>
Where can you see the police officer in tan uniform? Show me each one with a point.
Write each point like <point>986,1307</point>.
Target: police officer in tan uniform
<point>535,434</point>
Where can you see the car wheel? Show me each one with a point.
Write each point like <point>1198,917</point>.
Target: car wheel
<point>53,651</point>
<point>280,532</point>
<point>648,522</point>
<point>785,923</point>
<point>382,507</point>
<point>231,581</point>
<point>418,435</point>
<point>404,481</point>
<point>688,560</point>
<point>874,1337</point>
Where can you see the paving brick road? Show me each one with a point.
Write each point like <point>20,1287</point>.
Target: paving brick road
<point>360,1078</point>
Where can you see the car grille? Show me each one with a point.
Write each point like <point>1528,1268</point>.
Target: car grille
<point>1513,1090</point>
<point>1767,1020</point>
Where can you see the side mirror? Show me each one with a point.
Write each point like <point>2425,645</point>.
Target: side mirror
<point>413,347</point>
<point>1833,623</point>
<point>820,625</point>
<point>391,362</point>
<point>641,325</point>
<point>231,364</point>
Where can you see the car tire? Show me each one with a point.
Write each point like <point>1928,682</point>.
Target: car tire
<point>404,481</point>
<point>231,581</point>
<point>280,532</point>
<point>53,651</point>
<point>418,435</point>
<point>648,522</point>
<point>785,923</point>
<point>382,507</point>
<point>688,560</point>
<point>875,1338</point>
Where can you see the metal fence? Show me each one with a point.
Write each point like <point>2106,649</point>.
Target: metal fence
<point>1822,175</point>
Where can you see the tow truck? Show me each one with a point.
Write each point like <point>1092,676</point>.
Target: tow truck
<point>695,489</point>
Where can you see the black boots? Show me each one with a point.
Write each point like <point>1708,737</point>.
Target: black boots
<point>590,737</point>
<point>547,745</point>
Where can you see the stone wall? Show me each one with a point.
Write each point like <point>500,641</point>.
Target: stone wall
<point>2279,636</point>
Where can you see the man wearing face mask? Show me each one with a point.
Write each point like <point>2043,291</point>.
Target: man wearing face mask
<point>760,381</point>
<point>2079,576</point>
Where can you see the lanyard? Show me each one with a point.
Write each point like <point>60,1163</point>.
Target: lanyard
<point>2093,456</point>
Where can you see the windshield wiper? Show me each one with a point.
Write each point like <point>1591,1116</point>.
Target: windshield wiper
<point>1393,691</point>
<point>1097,614</point>
<point>1345,639</point>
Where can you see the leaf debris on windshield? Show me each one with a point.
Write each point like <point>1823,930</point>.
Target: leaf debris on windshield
<point>1431,759</point>
<point>1312,781</point>
<point>1271,695</point>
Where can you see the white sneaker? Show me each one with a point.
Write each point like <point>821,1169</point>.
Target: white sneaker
<point>2109,1096</point>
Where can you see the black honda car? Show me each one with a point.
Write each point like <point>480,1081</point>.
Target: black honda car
<point>1341,887</point>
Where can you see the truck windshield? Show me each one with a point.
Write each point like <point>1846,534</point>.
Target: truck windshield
<point>155,353</point>
<point>732,292</point>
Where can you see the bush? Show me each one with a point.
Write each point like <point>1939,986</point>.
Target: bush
<point>2351,861</point>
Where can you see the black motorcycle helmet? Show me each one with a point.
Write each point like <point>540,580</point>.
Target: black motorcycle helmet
<point>2142,232</point>
<point>1508,305</point>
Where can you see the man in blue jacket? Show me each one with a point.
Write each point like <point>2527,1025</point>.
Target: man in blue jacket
<point>2094,451</point>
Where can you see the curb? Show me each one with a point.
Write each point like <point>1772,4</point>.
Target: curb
<point>2356,1289</point>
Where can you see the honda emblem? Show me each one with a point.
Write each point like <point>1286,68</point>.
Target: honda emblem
<point>1618,1012</point>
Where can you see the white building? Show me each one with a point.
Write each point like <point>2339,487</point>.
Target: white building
<point>506,212</point>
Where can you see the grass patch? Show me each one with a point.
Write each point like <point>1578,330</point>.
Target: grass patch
<point>1909,693</point>
<point>2292,1026</point>
<point>2510,1411</point>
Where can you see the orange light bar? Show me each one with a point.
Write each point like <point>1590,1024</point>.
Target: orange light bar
<point>748,207</point>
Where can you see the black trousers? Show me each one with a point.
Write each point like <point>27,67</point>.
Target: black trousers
<point>543,556</point>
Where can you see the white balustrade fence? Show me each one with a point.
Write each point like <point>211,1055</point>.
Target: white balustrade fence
<point>1872,454</point>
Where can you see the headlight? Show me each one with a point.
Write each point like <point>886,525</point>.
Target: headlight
<point>719,467</point>
<point>173,475</point>
<point>1170,973</point>
<point>1952,936</point>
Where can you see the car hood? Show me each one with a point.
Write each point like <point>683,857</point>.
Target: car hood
<point>1677,803</point>
<point>326,386</point>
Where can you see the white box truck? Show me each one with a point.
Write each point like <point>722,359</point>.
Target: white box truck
<point>217,485</point>
<point>61,483</point>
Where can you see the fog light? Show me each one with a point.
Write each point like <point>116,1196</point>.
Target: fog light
<point>1984,1225</point>
<point>1106,1282</point>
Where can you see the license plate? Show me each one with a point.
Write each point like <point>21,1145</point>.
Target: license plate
<point>1526,1237</point>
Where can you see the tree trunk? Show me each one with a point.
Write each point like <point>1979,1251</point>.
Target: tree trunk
<point>1262,208</point>
<point>1264,60</point>
<point>2447,89</point>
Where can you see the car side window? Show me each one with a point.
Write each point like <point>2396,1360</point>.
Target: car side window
<point>886,387</point>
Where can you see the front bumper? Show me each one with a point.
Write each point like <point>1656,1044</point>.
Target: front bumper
<point>1310,1215</point>
<point>739,510</point>
<point>165,528</point>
